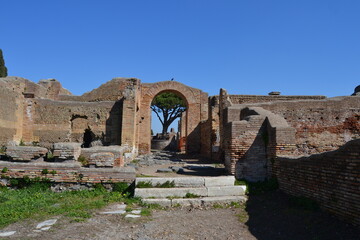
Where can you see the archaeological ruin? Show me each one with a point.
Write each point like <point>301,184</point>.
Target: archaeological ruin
<point>311,144</point>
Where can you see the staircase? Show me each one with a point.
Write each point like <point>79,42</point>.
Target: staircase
<point>189,191</point>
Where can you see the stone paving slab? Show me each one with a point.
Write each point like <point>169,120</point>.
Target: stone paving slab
<point>225,191</point>
<point>114,212</point>
<point>7,234</point>
<point>132,216</point>
<point>164,202</point>
<point>46,223</point>
<point>219,181</point>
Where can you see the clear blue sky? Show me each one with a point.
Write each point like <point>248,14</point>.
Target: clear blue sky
<point>307,47</point>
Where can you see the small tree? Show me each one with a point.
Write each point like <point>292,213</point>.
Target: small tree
<point>3,69</point>
<point>170,106</point>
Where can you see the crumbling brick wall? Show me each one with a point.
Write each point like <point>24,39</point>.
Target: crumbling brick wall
<point>62,121</point>
<point>252,138</point>
<point>321,125</point>
<point>332,179</point>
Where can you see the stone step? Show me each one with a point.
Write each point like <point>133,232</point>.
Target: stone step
<point>181,192</point>
<point>195,202</point>
<point>190,182</point>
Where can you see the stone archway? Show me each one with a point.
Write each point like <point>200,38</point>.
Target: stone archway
<point>197,107</point>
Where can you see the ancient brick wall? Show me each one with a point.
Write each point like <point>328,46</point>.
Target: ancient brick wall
<point>241,99</point>
<point>11,112</point>
<point>252,138</point>
<point>321,125</point>
<point>60,121</point>
<point>68,173</point>
<point>332,179</point>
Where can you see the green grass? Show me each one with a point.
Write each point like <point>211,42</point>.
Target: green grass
<point>191,195</point>
<point>37,201</point>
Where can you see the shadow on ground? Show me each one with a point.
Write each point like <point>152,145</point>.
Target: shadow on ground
<point>272,216</point>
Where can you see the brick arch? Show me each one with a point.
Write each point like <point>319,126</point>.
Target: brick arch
<point>193,98</point>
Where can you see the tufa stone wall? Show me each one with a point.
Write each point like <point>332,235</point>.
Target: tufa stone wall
<point>332,179</point>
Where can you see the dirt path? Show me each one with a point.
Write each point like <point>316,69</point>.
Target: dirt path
<point>266,217</point>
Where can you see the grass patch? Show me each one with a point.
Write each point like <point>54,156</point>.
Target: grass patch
<point>145,212</point>
<point>191,195</point>
<point>239,182</point>
<point>218,205</point>
<point>83,160</point>
<point>243,216</point>
<point>37,201</point>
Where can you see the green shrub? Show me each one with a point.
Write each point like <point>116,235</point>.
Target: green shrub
<point>3,149</point>
<point>21,143</point>
<point>83,160</point>
<point>49,156</point>
<point>191,195</point>
<point>53,172</point>
<point>5,170</point>
<point>45,171</point>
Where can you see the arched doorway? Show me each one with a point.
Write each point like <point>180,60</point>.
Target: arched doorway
<point>168,108</point>
<point>197,108</point>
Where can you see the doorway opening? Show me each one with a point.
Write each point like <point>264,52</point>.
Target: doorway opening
<point>168,109</point>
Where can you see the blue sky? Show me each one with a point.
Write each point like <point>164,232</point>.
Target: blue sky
<point>307,47</point>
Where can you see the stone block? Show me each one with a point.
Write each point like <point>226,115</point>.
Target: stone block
<point>210,201</point>
<point>164,202</point>
<point>194,202</point>
<point>226,191</point>
<point>187,182</point>
<point>168,192</point>
<point>67,151</point>
<point>219,181</point>
<point>102,159</point>
<point>25,153</point>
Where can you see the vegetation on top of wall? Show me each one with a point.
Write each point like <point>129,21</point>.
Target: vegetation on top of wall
<point>21,143</point>
<point>83,160</point>
<point>2,149</point>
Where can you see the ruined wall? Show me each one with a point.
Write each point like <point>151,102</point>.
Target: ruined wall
<point>241,99</point>
<point>11,113</point>
<point>332,179</point>
<point>321,125</point>
<point>61,121</point>
<point>112,90</point>
<point>253,137</point>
